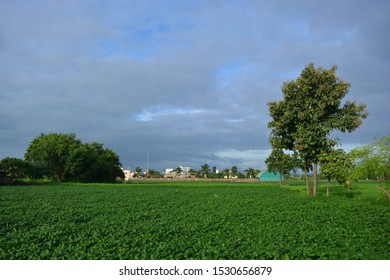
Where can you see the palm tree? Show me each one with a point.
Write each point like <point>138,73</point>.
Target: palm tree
<point>250,172</point>
<point>178,170</point>
<point>205,169</point>
<point>138,172</point>
<point>234,170</point>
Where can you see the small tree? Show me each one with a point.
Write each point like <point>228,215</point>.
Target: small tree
<point>154,174</point>
<point>138,172</point>
<point>204,170</point>
<point>178,171</point>
<point>336,164</point>
<point>280,162</point>
<point>250,172</point>
<point>234,171</point>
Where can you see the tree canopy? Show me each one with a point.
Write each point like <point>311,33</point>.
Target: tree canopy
<point>279,162</point>
<point>372,161</point>
<point>310,110</point>
<point>12,169</point>
<point>336,164</point>
<point>67,158</point>
<point>53,149</point>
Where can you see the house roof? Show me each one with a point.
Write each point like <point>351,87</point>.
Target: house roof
<point>270,176</point>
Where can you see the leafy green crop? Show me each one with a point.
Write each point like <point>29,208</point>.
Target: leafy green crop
<point>187,221</point>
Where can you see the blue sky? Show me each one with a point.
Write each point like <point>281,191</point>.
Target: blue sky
<point>186,81</point>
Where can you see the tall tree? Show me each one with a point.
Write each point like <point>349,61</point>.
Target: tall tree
<point>64,158</point>
<point>310,110</point>
<point>53,150</point>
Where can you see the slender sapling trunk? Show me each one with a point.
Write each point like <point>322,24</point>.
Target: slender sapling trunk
<point>327,187</point>
<point>315,178</point>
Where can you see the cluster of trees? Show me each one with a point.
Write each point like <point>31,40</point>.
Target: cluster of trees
<point>302,122</point>
<point>373,162</point>
<point>63,157</point>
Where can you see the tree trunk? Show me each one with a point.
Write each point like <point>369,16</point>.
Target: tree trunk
<point>280,179</point>
<point>307,182</point>
<point>315,178</point>
<point>327,187</point>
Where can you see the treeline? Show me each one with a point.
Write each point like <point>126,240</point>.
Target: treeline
<point>204,172</point>
<point>60,158</point>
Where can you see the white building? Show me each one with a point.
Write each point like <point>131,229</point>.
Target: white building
<point>128,174</point>
<point>171,173</point>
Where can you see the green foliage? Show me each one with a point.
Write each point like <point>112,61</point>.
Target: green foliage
<point>53,149</point>
<point>37,170</point>
<point>93,163</point>
<point>204,171</point>
<point>187,221</point>
<point>234,170</point>
<point>3,177</point>
<point>251,172</point>
<point>310,110</point>
<point>13,169</point>
<point>372,161</point>
<point>279,162</point>
<point>178,170</point>
<point>337,164</point>
<point>63,157</point>
<point>154,174</point>
<point>138,172</point>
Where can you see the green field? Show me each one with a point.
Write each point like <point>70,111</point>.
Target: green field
<point>192,220</point>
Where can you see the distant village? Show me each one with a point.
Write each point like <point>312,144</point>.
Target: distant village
<point>186,172</point>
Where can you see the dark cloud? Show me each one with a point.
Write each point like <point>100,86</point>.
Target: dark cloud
<point>187,82</point>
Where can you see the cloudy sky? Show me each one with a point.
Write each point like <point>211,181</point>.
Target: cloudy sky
<point>186,82</point>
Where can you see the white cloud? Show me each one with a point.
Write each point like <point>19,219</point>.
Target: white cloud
<point>154,113</point>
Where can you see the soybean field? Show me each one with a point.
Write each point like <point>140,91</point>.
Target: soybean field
<point>188,220</point>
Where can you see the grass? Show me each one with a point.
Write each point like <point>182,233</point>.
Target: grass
<point>362,191</point>
<point>191,220</point>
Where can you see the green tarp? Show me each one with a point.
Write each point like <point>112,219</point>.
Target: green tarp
<point>269,176</point>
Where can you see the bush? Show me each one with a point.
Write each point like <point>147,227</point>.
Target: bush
<point>13,170</point>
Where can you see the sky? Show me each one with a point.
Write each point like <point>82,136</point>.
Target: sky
<point>170,83</point>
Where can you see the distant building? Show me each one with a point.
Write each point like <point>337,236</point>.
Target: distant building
<point>128,174</point>
<point>185,169</point>
<point>168,170</point>
<point>171,173</point>
<point>268,176</point>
